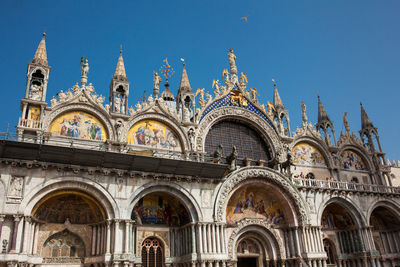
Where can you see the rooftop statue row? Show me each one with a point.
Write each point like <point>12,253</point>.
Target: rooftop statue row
<point>188,107</point>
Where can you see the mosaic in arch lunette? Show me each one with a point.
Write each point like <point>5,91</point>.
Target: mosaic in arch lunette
<point>160,209</point>
<point>78,124</point>
<point>252,201</point>
<point>352,161</point>
<point>306,154</point>
<point>153,133</point>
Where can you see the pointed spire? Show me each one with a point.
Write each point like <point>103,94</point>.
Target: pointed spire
<point>120,69</point>
<point>322,115</point>
<point>277,98</point>
<point>365,121</point>
<point>184,85</point>
<point>41,54</point>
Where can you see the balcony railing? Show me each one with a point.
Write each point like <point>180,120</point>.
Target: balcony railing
<point>345,186</point>
<point>28,123</point>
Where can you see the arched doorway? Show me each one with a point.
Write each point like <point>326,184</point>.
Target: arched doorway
<point>342,231</point>
<point>249,252</point>
<point>152,253</point>
<point>67,213</point>
<point>386,234</point>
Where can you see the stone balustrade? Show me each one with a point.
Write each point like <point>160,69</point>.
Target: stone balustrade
<point>345,186</point>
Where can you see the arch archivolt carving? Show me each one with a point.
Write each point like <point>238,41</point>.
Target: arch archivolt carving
<point>49,118</point>
<point>352,208</point>
<point>95,190</point>
<point>266,131</point>
<point>161,118</point>
<point>237,178</point>
<point>261,226</point>
<point>318,145</point>
<point>171,188</point>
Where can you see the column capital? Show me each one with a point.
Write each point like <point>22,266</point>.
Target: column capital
<point>17,217</point>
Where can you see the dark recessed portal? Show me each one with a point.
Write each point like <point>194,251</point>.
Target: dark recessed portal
<point>247,262</point>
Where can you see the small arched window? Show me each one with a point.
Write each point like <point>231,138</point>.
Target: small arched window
<point>152,253</point>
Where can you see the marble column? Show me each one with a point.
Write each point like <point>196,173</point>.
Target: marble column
<point>17,219</point>
<point>35,238</point>
<point>27,234</point>
<point>108,241</point>
<point>117,239</point>
<point>193,239</point>
<point>126,246</point>
<point>200,238</point>
<point>213,237</point>
<point>218,239</point>
<point>1,223</point>
<point>209,238</point>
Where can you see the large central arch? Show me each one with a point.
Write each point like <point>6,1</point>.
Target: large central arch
<point>240,176</point>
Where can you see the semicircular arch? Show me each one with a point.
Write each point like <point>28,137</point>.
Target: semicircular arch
<point>268,236</point>
<point>348,205</point>
<point>172,124</point>
<point>318,145</point>
<point>96,191</point>
<point>387,203</point>
<point>266,131</point>
<point>360,151</point>
<point>62,110</point>
<point>170,188</point>
<point>239,177</point>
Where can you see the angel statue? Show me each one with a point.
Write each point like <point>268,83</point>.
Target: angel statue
<point>156,84</point>
<point>202,102</point>
<point>215,85</point>
<point>254,92</point>
<point>304,114</point>
<point>243,79</point>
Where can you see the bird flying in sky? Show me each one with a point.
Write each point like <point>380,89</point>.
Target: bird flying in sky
<point>244,18</point>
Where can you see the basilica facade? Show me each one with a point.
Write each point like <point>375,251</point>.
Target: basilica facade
<point>195,179</point>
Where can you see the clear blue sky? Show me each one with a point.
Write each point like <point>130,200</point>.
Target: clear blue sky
<point>347,51</point>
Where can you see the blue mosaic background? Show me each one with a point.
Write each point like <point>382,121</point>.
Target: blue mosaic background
<point>226,102</point>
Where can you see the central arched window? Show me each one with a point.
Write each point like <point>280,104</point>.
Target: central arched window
<point>152,253</point>
<point>248,142</point>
